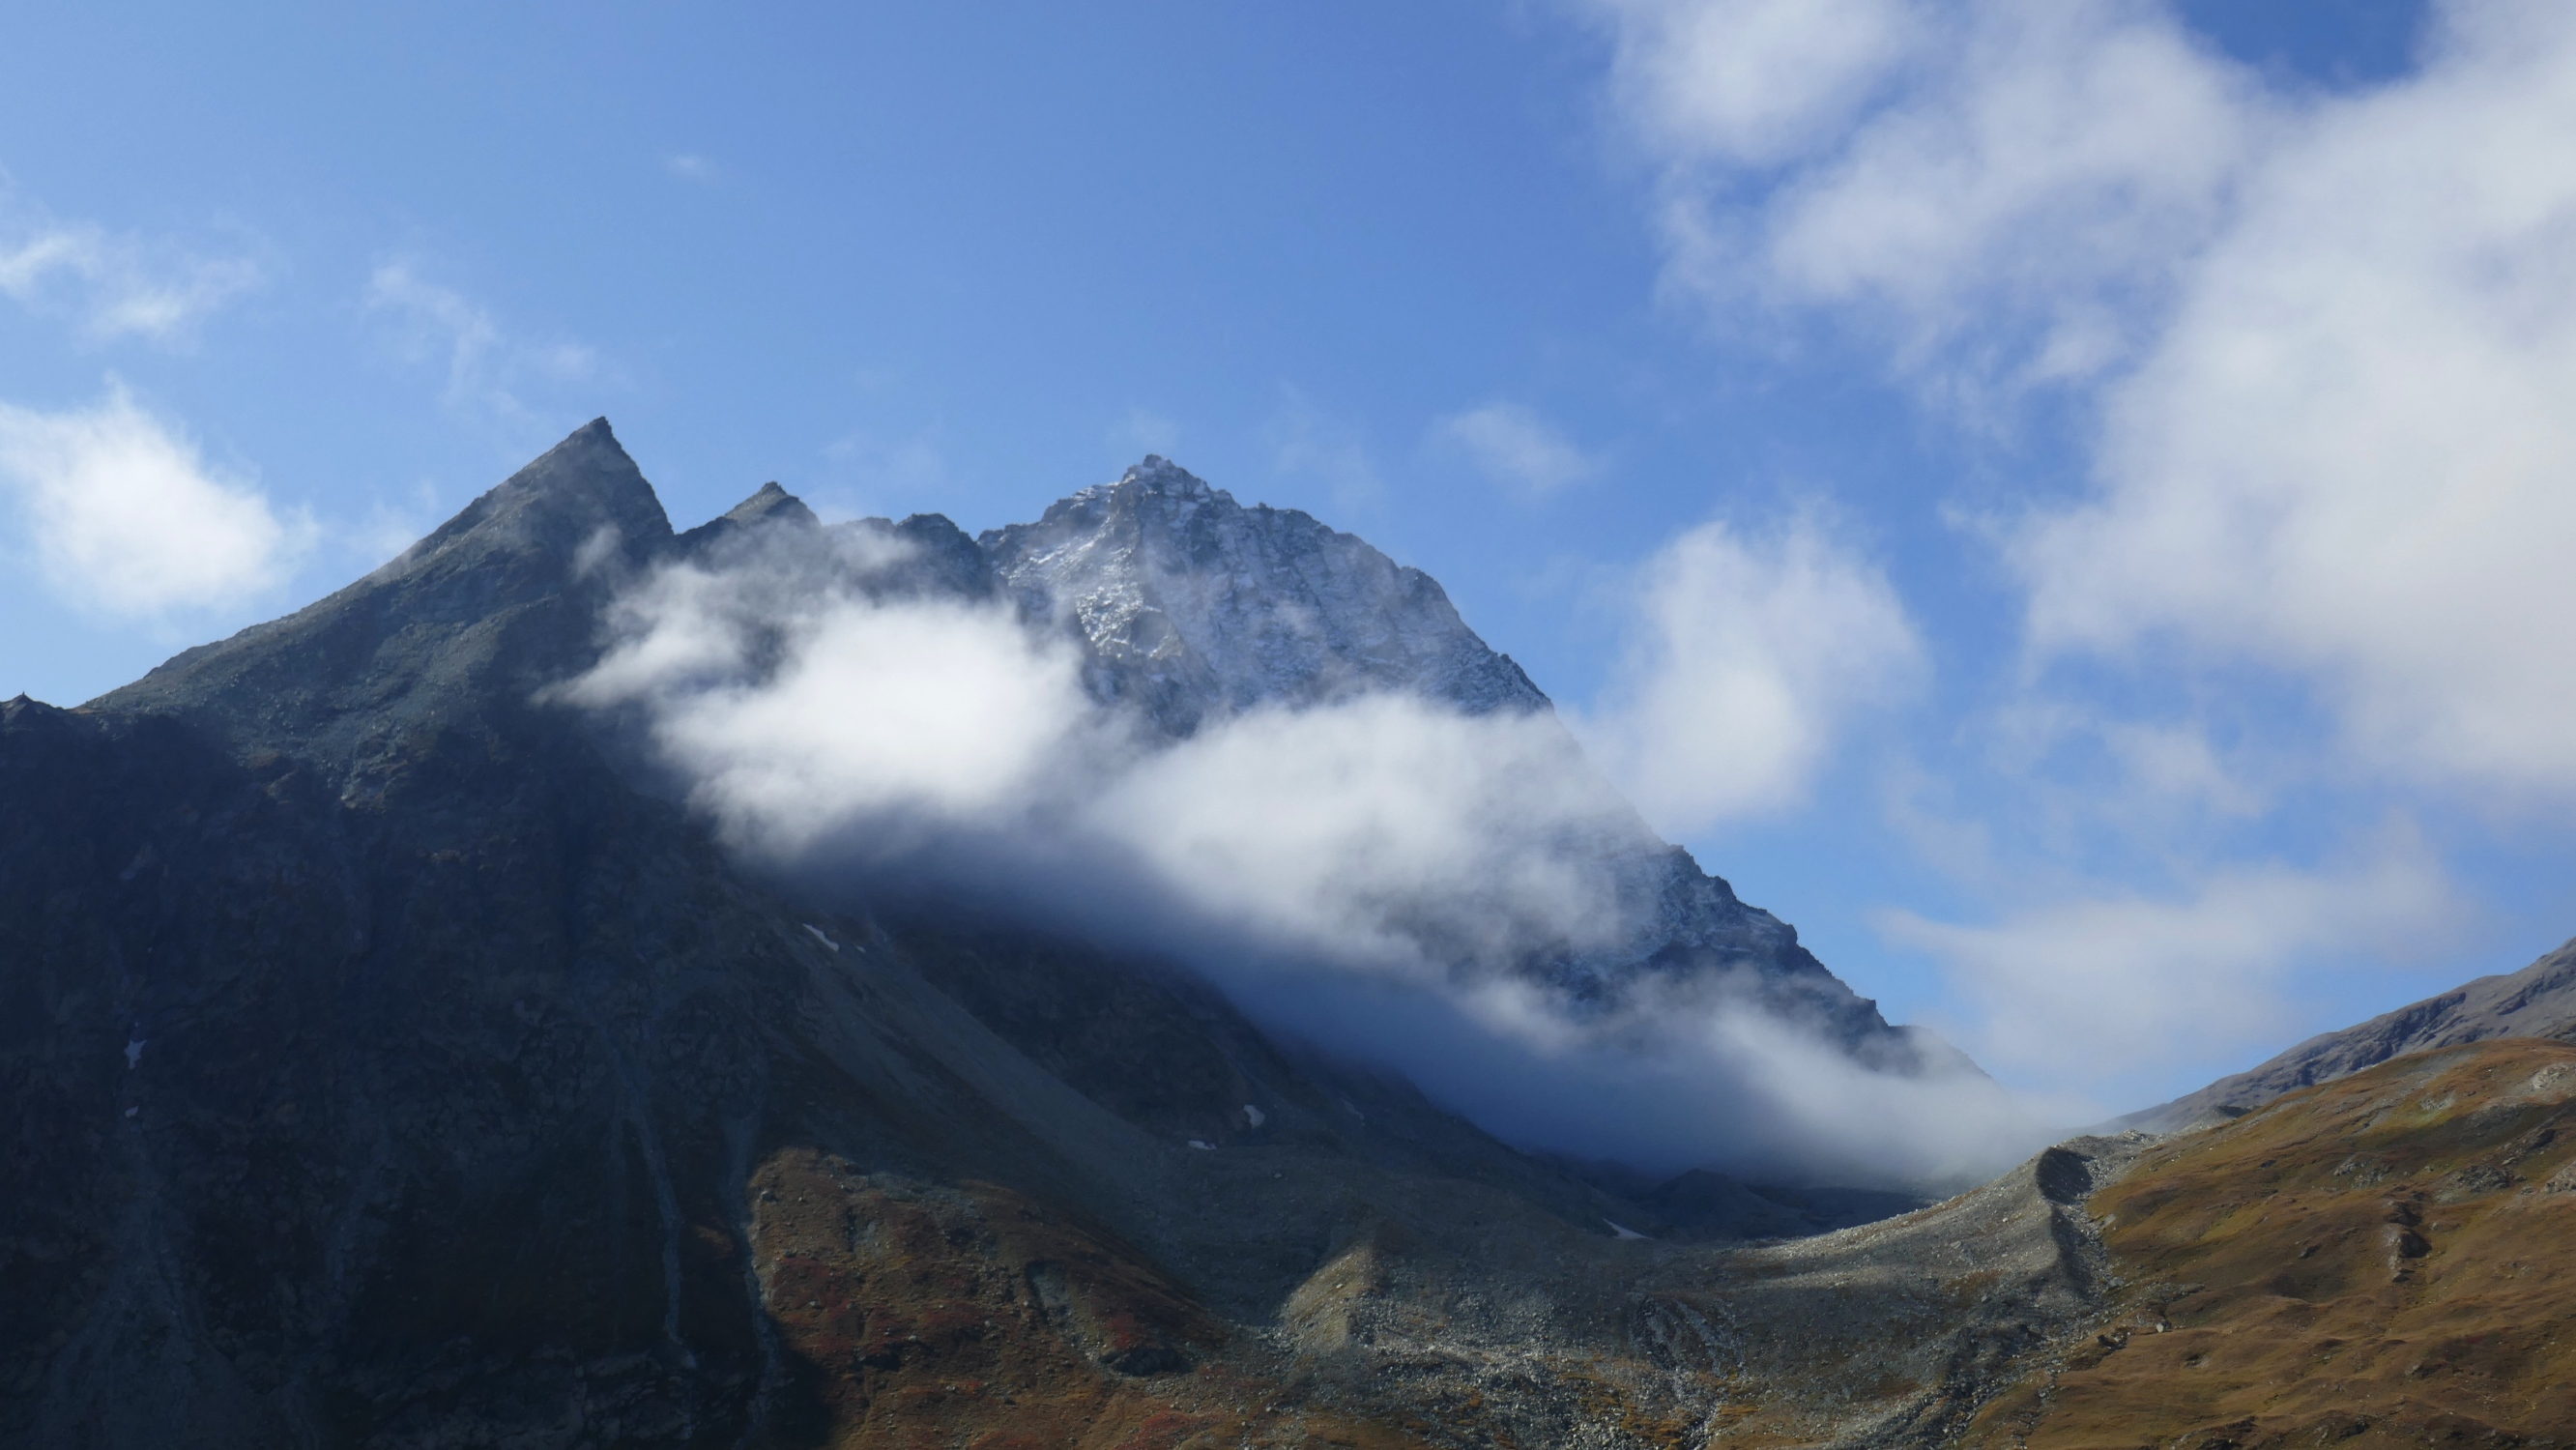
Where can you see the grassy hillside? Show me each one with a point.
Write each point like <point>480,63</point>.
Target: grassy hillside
<point>2386,1259</point>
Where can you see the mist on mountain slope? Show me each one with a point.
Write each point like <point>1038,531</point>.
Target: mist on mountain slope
<point>1365,873</point>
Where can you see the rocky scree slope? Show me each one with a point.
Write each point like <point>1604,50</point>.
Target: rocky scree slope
<point>389,1068</point>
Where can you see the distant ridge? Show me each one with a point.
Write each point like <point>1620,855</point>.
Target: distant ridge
<point>2538,1001</point>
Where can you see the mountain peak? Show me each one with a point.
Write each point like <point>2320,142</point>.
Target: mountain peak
<point>1196,607</point>
<point>771,499</point>
<point>558,503</point>
<point>506,591</point>
<point>1161,475</point>
<point>1154,481</point>
<point>769,505</point>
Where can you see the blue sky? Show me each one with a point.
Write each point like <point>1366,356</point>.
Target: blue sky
<point>1980,479</point>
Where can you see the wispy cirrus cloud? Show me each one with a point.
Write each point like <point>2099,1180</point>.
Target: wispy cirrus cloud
<point>2114,987</point>
<point>114,286</point>
<point>1143,431</point>
<point>1516,448</point>
<point>487,370</point>
<point>1305,439</point>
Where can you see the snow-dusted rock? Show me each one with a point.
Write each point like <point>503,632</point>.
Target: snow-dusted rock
<point>1193,605</point>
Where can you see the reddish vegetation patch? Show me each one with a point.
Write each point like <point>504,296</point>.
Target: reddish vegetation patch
<point>2389,1259</point>
<point>922,1315</point>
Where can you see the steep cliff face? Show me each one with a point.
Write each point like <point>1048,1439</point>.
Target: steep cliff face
<point>457,633</point>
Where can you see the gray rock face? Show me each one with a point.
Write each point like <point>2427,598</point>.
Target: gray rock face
<point>1193,606</point>
<point>499,601</point>
<point>2538,1001</point>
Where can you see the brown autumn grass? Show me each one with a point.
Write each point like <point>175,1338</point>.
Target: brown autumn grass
<point>2387,1259</point>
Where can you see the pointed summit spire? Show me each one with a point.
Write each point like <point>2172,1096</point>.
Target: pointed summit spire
<point>769,505</point>
<point>589,475</point>
<point>772,502</point>
<point>494,604</point>
<point>1158,474</point>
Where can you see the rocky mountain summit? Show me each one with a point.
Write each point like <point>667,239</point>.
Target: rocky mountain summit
<point>1194,606</point>
<point>1193,609</point>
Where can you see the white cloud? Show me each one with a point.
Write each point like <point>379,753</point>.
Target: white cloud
<point>1370,873</point>
<point>115,286</point>
<point>2321,346</point>
<point>689,166</point>
<point>1751,653</point>
<point>2089,988</point>
<point>1383,831</point>
<point>1679,1080</point>
<point>2002,189</point>
<point>871,710</point>
<point>1517,448</point>
<point>128,519</point>
<point>2351,452</point>
<point>2331,336</point>
<point>1387,832</point>
<point>486,368</point>
<point>1753,82</point>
